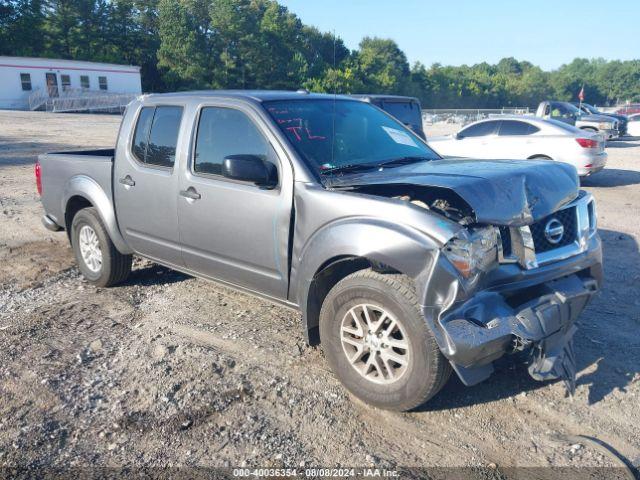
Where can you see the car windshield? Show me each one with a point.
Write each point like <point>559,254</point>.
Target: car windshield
<point>573,109</point>
<point>333,135</point>
<point>590,108</point>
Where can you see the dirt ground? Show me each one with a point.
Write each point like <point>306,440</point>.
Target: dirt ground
<point>172,371</point>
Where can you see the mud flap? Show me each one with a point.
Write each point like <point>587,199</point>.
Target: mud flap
<point>555,358</point>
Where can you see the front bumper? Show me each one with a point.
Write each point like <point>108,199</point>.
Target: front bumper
<point>516,310</point>
<point>488,326</point>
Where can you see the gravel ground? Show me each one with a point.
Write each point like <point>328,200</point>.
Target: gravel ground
<point>171,371</point>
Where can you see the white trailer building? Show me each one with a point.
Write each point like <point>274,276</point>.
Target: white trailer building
<point>31,83</point>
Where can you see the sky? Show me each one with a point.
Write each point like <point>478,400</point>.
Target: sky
<point>548,33</point>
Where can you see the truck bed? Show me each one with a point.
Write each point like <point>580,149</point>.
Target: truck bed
<point>61,170</point>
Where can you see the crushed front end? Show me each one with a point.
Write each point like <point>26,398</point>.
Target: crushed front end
<point>496,290</point>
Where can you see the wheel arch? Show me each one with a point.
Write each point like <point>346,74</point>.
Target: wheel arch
<point>384,248</point>
<point>81,192</point>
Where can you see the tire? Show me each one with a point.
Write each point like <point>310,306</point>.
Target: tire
<point>112,267</point>
<point>403,386</point>
<point>540,157</point>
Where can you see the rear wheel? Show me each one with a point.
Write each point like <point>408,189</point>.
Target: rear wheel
<point>98,259</point>
<point>378,343</point>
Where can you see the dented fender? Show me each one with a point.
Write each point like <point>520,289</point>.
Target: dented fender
<point>331,225</point>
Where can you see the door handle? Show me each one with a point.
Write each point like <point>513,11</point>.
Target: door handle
<point>127,181</point>
<point>190,194</point>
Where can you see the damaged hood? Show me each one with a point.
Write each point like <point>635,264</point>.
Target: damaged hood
<point>500,192</point>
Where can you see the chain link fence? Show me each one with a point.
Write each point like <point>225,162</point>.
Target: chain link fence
<point>463,116</point>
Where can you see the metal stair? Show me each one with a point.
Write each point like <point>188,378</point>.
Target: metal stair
<point>79,100</point>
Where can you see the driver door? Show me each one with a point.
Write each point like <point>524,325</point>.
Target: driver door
<point>231,230</point>
<point>475,141</point>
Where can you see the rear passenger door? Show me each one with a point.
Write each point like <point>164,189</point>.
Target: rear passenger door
<point>514,140</point>
<point>145,184</point>
<point>231,230</point>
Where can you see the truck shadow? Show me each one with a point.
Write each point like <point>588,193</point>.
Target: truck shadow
<point>612,177</point>
<point>154,274</point>
<point>607,344</point>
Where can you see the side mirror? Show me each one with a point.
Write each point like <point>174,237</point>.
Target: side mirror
<point>250,168</point>
<point>457,136</point>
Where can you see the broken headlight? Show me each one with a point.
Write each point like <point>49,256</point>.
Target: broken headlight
<point>472,252</point>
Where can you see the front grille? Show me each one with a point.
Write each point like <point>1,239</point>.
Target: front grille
<point>567,218</point>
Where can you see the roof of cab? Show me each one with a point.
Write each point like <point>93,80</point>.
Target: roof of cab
<point>255,95</point>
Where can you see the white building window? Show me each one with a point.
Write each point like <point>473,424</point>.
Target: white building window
<point>103,83</point>
<point>66,82</point>
<point>25,79</point>
<point>84,81</point>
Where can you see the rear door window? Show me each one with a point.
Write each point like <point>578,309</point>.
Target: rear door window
<point>479,129</point>
<point>515,127</point>
<point>407,112</point>
<point>156,135</point>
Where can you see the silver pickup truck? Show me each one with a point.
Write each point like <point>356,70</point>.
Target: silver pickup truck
<point>607,126</point>
<point>403,264</point>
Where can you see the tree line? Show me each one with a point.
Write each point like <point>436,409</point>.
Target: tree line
<point>203,44</point>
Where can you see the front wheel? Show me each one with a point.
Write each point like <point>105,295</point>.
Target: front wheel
<point>98,259</point>
<point>377,342</point>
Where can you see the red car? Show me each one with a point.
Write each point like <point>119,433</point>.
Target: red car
<point>629,109</point>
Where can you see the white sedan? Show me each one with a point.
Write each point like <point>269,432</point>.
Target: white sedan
<point>525,138</point>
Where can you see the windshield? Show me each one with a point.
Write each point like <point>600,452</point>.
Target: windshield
<point>572,109</point>
<point>333,134</point>
<point>590,108</point>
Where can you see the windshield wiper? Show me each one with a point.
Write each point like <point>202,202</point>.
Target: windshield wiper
<point>403,161</point>
<point>351,167</point>
<point>354,167</point>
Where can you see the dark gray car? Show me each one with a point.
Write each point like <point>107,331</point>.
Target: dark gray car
<point>403,264</point>
<point>405,109</point>
<point>591,110</point>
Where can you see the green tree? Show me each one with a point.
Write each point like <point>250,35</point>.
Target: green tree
<point>20,22</point>
<point>181,54</point>
<point>183,44</point>
<point>382,65</point>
